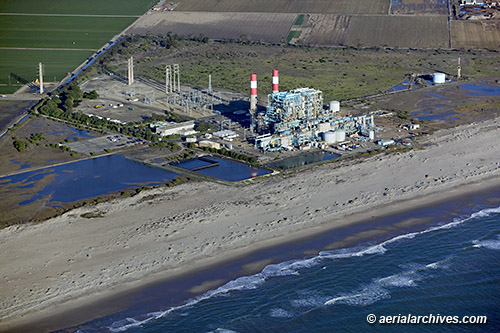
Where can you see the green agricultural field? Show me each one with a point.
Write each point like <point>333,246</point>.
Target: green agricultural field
<point>299,20</point>
<point>24,64</point>
<point>293,34</point>
<point>28,26</point>
<point>87,7</point>
<point>59,32</point>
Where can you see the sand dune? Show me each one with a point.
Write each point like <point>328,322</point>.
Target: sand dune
<point>170,230</point>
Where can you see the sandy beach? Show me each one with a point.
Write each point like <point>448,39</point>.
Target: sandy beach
<point>72,260</point>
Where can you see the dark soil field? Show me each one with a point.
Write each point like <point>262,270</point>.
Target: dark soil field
<point>264,27</point>
<point>326,29</point>
<point>471,34</point>
<point>419,24</point>
<point>399,31</point>
<point>419,7</point>
<point>288,6</point>
<point>373,31</point>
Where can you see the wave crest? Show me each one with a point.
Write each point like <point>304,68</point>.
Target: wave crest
<point>375,291</point>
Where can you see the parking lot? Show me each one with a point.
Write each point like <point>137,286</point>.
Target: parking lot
<point>105,143</point>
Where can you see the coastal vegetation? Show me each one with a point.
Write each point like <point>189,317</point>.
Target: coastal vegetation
<point>341,73</point>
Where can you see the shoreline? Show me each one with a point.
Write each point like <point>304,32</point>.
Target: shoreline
<point>114,301</point>
<point>157,234</point>
<point>254,261</point>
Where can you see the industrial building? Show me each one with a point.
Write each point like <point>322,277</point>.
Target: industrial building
<point>165,128</point>
<point>298,119</point>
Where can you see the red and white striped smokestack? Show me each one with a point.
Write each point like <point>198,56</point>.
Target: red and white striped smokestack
<point>276,81</point>
<point>253,92</point>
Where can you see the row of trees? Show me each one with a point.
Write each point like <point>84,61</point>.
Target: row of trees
<point>61,108</point>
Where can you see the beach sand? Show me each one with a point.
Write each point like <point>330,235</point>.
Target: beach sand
<point>69,261</point>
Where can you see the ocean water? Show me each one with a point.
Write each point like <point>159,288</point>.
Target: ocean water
<point>451,268</point>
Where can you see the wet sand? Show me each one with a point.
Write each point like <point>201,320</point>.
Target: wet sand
<point>70,261</point>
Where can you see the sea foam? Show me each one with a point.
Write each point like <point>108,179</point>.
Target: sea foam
<point>377,290</point>
<point>492,244</point>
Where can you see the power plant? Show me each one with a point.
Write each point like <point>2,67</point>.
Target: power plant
<point>298,119</point>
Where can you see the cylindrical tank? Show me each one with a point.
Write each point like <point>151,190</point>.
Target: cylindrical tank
<point>340,135</point>
<point>334,106</point>
<point>330,137</point>
<point>438,78</point>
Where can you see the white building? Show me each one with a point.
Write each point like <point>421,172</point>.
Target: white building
<point>385,143</point>
<point>165,128</point>
<point>473,2</point>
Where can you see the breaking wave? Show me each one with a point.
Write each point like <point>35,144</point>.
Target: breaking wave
<point>492,244</point>
<point>377,290</point>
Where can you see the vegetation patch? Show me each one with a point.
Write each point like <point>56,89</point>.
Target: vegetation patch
<point>293,34</point>
<point>341,73</point>
<point>299,20</point>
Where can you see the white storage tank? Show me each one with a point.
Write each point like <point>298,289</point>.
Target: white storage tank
<point>324,127</point>
<point>334,106</point>
<point>286,141</point>
<point>340,135</point>
<point>330,137</point>
<point>438,78</point>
